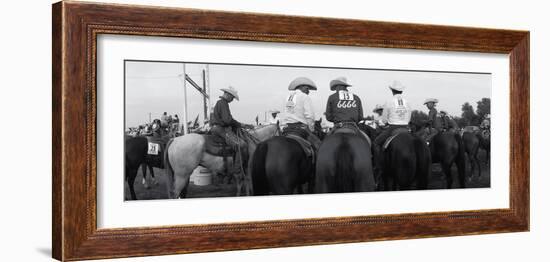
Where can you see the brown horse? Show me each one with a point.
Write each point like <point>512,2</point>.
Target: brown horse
<point>446,149</point>
<point>280,166</point>
<point>485,144</point>
<point>471,147</point>
<point>404,162</point>
<point>344,164</point>
<point>136,156</point>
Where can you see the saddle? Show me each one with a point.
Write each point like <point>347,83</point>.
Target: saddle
<point>350,128</point>
<point>393,135</point>
<point>306,145</point>
<point>217,146</point>
<point>298,134</point>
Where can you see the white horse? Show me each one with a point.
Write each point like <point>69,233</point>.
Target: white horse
<point>183,154</point>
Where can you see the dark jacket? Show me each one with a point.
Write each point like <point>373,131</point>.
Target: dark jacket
<point>222,115</point>
<point>434,120</point>
<point>344,110</point>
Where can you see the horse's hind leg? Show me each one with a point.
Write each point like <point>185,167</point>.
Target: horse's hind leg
<point>152,175</point>
<point>144,177</point>
<point>181,182</point>
<point>130,179</point>
<point>476,159</point>
<point>448,174</point>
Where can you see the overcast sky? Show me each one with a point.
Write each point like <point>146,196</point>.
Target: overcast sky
<point>153,87</point>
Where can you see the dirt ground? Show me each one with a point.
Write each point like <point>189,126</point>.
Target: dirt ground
<point>220,189</point>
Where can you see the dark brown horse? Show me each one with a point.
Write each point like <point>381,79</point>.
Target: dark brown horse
<point>404,162</point>
<point>485,144</point>
<point>446,149</point>
<point>344,164</point>
<point>280,166</point>
<point>136,156</point>
<point>471,147</point>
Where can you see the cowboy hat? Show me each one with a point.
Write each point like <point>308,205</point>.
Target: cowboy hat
<point>302,81</point>
<point>155,126</point>
<point>274,111</point>
<point>340,81</point>
<point>432,100</point>
<point>397,86</point>
<point>377,107</point>
<point>232,91</point>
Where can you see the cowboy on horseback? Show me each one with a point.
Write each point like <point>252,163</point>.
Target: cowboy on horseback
<point>378,110</point>
<point>223,125</point>
<point>299,113</point>
<point>434,124</point>
<point>396,113</point>
<point>486,123</point>
<point>448,124</point>
<point>485,126</point>
<point>344,108</point>
<point>274,119</point>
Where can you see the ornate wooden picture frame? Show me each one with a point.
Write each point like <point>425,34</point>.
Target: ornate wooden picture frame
<point>76,26</point>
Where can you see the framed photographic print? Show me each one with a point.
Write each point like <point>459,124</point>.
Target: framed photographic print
<point>241,131</point>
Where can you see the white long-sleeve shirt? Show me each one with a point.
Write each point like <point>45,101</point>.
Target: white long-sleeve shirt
<point>397,111</point>
<point>299,108</point>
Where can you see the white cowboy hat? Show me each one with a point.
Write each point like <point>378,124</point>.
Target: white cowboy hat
<point>432,100</point>
<point>377,107</point>
<point>274,111</point>
<point>302,81</point>
<point>397,86</point>
<point>340,81</point>
<point>232,91</point>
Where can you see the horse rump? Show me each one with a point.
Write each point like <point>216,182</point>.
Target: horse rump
<point>259,177</point>
<point>169,172</point>
<point>344,165</point>
<point>344,173</point>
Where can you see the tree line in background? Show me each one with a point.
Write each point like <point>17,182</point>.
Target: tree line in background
<point>469,117</point>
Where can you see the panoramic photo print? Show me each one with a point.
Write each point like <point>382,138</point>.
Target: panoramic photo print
<point>197,130</point>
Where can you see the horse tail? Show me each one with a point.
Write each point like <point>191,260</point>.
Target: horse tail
<point>460,160</point>
<point>259,176</point>
<point>169,171</point>
<point>344,168</point>
<point>423,162</point>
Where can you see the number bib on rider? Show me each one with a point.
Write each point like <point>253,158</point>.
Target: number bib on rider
<point>346,100</point>
<point>153,149</point>
<point>291,103</point>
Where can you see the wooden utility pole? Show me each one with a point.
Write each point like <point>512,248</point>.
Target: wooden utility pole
<point>204,97</point>
<point>183,78</point>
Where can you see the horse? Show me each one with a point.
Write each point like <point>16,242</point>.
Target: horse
<point>485,144</point>
<point>280,166</point>
<point>471,147</point>
<point>344,164</point>
<point>446,149</point>
<point>136,156</point>
<point>406,160</point>
<point>185,153</point>
<point>144,168</point>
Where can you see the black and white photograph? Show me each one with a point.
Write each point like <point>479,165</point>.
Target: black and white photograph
<point>197,129</point>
